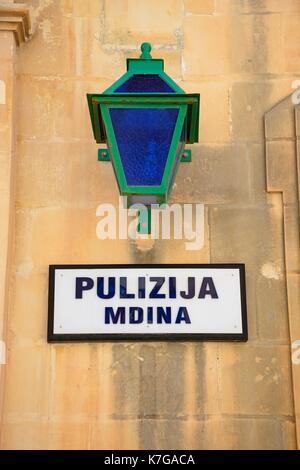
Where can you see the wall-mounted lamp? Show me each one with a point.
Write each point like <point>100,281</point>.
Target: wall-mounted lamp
<point>145,119</point>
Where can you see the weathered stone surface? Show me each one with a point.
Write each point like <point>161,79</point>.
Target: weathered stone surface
<point>7,46</point>
<point>51,50</point>
<point>31,289</point>
<point>28,434</point>
<point>51,228</point>
<point>297,115</point>
<point>131,21</point>
<point>49,175</point>
<point>272,309</point>
<point>251,99</point>
<point>7,181</point>
<point>205,7</point>
<point>215,107</point>
<point>291,41</point>
<point>267,6</point>
<point>250,375</point>
<point>29,369</point>
<point>82,8</point>
<point>227,55</point>
<point>214,433</point>
<point>71,436</point>
<point>284,127</point>
<point>282,154</point>
<point>217,174</point>
<point>251,235</point>
<point>114,434</point>
<point>58,110</point>
<point>77,400</point>
<point>259,434</point>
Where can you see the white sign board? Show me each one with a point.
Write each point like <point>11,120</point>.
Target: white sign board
<point>139,302</point>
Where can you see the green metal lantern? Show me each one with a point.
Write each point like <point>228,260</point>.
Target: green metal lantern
<point>146,120</point>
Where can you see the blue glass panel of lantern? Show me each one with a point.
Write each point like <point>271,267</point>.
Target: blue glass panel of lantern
<point>145,84</point>
<point>144,137</point>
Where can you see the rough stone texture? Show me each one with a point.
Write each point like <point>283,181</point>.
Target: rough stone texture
<point>243,57</point>
<point>283,158</point>
<point>205,55</point>
<point>135,21</point>
<point>257,6</point>
<point>215,107</point>
<point>216,188</point>
<point>7,177</point>
<point>205,7</point>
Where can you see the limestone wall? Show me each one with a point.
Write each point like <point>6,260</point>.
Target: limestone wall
<point>242,57</point>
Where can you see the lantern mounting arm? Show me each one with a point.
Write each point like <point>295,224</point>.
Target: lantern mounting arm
<point>104,155</point>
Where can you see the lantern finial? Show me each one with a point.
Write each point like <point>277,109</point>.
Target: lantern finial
<point>146,49</point>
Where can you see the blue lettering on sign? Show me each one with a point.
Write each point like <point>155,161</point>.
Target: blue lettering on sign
<point>82,284</point>
<point>137,315</point>
<point>106,288</point>
<point>154,288</point>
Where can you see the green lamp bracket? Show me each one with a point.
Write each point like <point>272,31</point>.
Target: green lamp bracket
<point>104,156</point>
<point>186,156</point>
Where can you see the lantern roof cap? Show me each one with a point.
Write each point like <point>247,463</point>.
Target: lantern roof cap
<point>146,50</point>
<point>144,66</point>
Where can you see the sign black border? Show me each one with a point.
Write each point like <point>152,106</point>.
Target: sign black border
<point>54,337</point>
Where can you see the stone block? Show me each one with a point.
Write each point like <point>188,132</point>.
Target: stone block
<point>272,311</point>
<point>291,239</point>
<point>161,434</point>
<point>297,116</point>
<point>236,7</point>
<point>218,174</point>
<point>294,302</point>
<point>52,48</point>
<point>281,168</point>
<point>94,58</point>
<point>291,41</point>
<point>6,107</point>
<point>204,7</point>
<point>25,435</point>
<point>69,236</point>
<point>5,176</point>
<point>69,435</point>
<point>6,140</point>
<point>248,235</point>
<point>63,173</point>
<point>82,8</point>
<point>74,397</point>
<point>256,155</point>
<point>211,47</point>
<point>115,434</point>
<point>172,62</point>
<point>215,433</point>
<point>256,380</point>
<point>58,109</point>
<point>250,102</point>
<point>7,46</point>
<point>27,381</point>
<point>145,395</point>
<point>31,289</point>
<point>257,433</point>
<point>280,120</point>
<point>214,107</point>
<point>133,21</point>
